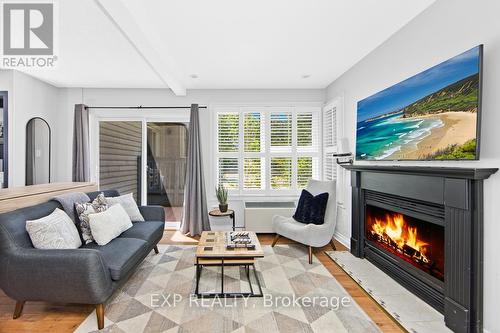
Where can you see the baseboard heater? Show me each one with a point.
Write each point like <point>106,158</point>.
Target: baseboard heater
<point>259,215</point>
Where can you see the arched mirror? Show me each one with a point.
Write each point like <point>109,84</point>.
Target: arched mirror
<point>37,152</point>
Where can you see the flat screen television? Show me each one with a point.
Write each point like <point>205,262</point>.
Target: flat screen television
<point>434,115</point>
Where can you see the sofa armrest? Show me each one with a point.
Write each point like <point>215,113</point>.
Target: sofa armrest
<point>70,276</point>
<point>153,213</point>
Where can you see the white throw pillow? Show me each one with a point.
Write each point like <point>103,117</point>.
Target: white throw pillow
<point>109,224</point>
<point>128,203</point>
<point>55,231</point>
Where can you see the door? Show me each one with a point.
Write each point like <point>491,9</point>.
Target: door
<point>166,151</point>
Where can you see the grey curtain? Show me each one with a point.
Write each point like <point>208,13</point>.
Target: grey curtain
<point>81,146</point>
<point>195,219</point>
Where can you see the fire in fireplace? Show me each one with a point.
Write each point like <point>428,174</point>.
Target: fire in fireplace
<point>416,241</point>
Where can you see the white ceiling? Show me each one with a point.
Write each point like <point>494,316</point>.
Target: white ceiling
<point>228,44</point>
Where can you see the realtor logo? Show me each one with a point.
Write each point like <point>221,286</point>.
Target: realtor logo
<point>28,29</point>
<point>28,34</point>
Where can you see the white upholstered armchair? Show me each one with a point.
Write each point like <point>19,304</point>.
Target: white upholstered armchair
<point>311,235</point>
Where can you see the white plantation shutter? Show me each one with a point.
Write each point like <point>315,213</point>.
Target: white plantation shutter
<point>253,173</point>
<point>281,173</point>
<point>254,134</point>
<point>267,150</point>
<point>329,143</point>
<point>228,172</point>
<point>228,132</point>
<point>281,130</point>
<point>307,147</point>
<point>307,131</point>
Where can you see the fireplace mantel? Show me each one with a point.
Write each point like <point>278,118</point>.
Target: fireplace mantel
<point>464,173</point>
<point>457,193</point>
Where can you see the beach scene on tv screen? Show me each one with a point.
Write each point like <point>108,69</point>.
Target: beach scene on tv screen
<point>430,116</point>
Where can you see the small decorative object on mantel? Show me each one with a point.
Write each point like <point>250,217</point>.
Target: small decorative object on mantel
<point>221,193</point>
<point>343,158</point>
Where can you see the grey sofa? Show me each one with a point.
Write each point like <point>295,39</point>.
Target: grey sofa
<point>87,275</point>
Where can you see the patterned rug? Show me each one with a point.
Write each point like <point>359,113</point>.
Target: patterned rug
<point>298,297</point>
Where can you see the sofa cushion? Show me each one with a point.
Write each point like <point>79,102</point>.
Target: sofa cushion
<point>13,224</point>
<point>121,255</point>
<point>109,224</point>
<point>55,231</point>
<point>148,231</point>
<point>84,209</point>
<point>107,193</point>
<point>128,203</point>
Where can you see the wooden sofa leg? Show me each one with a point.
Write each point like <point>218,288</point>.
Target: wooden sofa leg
<point>333,245</point>
<point>310,255</point>
<point>19,309</point>
<point>275,240</point>
<point>99,309</point>
<point>156,249</point>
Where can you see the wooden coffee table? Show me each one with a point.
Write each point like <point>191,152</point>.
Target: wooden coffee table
<point>212,251</point>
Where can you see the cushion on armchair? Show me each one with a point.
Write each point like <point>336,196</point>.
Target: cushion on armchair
<point>311,209</point>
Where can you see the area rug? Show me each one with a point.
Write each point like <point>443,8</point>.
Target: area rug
<point>411,312</point>
<point>298,297</point>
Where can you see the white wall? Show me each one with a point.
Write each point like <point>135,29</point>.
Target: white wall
<point>31,98</point>
<point>162,97</point>
<point>34,98</point>
<point>444,30</point>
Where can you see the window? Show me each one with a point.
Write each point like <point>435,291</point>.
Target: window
<point>265,150</point>
<point>329,142</point>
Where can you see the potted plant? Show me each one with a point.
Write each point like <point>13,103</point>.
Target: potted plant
<point>221,194</point>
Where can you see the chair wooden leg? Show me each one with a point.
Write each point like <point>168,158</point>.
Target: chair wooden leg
<point>310,255</point>
<point>333,245</point>
<point>99,309</point>
<point>156,249</point>
<point>19,309</point>
<point>275,240</point>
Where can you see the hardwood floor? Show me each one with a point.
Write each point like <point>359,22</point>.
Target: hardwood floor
<point>374,311</point>
<point>48,317</point>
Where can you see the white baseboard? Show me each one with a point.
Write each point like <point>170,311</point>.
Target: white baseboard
<point>342,239</point>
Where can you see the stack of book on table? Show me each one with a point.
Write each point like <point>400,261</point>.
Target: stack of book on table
<point>240,239</point>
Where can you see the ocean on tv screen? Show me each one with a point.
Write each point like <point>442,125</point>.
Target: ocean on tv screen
<point>430,116</point>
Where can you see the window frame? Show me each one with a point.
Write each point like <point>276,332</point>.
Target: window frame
<point>266,152</point>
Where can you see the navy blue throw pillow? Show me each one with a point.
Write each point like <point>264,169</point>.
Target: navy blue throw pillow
<point>311,209</point>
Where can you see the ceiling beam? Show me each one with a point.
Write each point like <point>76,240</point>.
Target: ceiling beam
<point>162,65</point>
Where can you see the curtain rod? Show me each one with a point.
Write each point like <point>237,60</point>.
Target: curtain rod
<point>143,107</point>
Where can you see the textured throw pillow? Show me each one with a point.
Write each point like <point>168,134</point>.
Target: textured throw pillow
<point>109,224</point>
<point>311,209</point>
<point>84,210</point>
<point>55,231</point>
<point>128,203</point>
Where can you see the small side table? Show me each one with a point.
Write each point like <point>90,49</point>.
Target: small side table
<point>218,213</point>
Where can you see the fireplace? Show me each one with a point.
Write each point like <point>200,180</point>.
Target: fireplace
<point>423,226</point>
<point>409,239</point>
